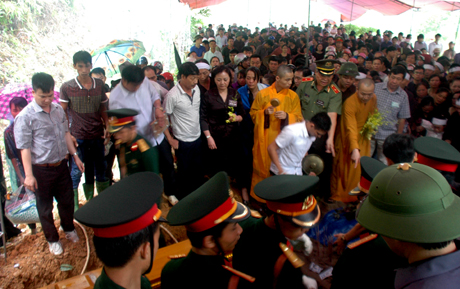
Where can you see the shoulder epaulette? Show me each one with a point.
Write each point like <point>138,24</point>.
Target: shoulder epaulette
<point>239,274</point>
<point>255,214</point>
<point>362,241</point>
<point>309,78</point>
<point>143,146</point>
<point>335,88</point>
<point>178,256</point>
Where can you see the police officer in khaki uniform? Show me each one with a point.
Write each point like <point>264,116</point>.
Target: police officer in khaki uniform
<point>136,153</point>
<point>321,94</point>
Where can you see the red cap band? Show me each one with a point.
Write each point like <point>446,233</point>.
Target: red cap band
<point>436,164</point>
<point>289,209</point>
<point>131,227</point>
<point>365,184</point>
<point>214,218</point>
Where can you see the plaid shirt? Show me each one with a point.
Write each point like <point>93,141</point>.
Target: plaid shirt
<point>84,108</point>
<point>393,106</point>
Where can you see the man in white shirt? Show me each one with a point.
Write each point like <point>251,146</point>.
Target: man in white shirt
<point>136,91</point>
<point>213,52</point>
<point>183,108</point>
<point>221,39</point>
<point>435,44</point>
<point>293,143</point>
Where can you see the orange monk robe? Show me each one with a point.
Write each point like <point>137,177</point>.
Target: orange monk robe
<point>344,176</point>
<point>289,103</point>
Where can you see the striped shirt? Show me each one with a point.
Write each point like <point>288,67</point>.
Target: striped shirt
<point>84,108</point>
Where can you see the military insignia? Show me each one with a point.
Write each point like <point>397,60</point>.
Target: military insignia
<point>113,120</point>
<point>404,167</point>
<point>255,214</point>
<point>134,147</point>
<point>143,146</point>
<point>335,88</point>
<point>328,64</point>
<point>309,78</point>
<point>306,95</point>
<point>133,162</point>
<point>308,202</point>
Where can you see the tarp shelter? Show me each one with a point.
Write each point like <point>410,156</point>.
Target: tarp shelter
<point>353,9</point>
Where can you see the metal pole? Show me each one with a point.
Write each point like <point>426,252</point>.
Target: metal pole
<point>351,15</point>
<point>413,7</point>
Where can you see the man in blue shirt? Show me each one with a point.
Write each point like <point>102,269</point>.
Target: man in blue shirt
<point>197,48</point>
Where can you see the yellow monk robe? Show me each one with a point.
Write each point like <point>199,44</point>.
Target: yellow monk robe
<point>289,103</point>
<point>344,176</point>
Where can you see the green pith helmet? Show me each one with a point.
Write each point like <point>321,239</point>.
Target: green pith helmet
<point>412,203</point>
<point>348,68</point>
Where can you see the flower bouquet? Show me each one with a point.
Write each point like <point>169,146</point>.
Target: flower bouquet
<point>374,121</point>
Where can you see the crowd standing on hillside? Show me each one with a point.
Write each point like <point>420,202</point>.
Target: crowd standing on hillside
<point>250,106</point>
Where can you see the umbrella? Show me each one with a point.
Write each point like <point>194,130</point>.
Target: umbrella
<point>17,89</point>
<point>332,22</point>
<point>110,56</point>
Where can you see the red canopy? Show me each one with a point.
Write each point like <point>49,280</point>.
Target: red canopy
<point>353,9</point>
<point>195,4</point>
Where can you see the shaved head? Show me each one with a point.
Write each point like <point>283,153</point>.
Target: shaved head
<point>365,83</point>
<point>283,70</point>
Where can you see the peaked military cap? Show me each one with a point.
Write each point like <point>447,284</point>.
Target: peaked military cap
<point>412,203</point>
<point>369,169</point>
<point>124,208</point>
<point>437,154</point>
<point>326,66</point>
<point>208,206</point>
<point>291,196</point>
<point>120,118</point>
<point>348,68</point>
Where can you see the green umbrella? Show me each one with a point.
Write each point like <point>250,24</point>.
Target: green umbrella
<point>110,56</point>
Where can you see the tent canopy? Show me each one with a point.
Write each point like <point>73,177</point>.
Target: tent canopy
<point>353,9</point>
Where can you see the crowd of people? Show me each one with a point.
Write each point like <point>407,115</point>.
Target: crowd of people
<point>249,105</point>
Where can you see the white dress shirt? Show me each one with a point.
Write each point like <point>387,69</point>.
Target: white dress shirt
<point>142,101</point>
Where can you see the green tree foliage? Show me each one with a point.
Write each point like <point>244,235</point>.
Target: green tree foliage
<point>197,20</point>
<point>359,29</point>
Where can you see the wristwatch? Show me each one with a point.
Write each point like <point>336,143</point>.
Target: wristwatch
<point>74,154</point>
<point>208,136</point>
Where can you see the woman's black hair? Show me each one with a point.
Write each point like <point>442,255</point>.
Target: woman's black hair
<point>218,70</point>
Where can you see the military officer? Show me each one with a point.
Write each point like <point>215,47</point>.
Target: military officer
<point>437,154</point>
<point>321,94</point>
<point>293,211</point>
<point>355,258</point>
<point>124,218</point>
<point>210,215</point>
<point>136,153</point>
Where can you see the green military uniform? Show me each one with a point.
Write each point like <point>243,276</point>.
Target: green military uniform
<point>372,260</point>
<point>104,282</point>
<point>139,156</point>
<point>195,271</point>
<point>258,251</point>
<point>339,54</point>
<point>116,215</point>
<point>329,99</point>
<point>210,205</point>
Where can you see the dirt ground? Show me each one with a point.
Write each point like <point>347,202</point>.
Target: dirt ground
<point>31,265</point>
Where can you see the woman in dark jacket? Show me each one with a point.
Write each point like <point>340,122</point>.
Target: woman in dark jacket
<point>220,113</point>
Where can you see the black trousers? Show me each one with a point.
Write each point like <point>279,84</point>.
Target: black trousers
<point>54,182</point>
<point>167,167</point>
<point>189,167</point>
<point>324,187</point>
